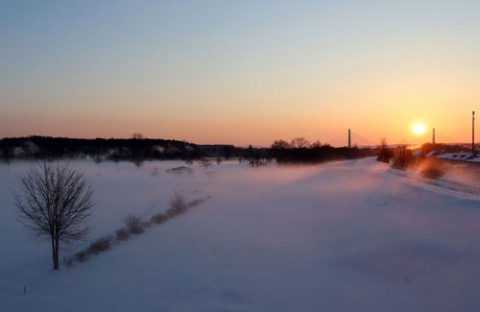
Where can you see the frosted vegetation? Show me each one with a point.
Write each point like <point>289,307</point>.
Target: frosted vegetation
<point>342,236</point>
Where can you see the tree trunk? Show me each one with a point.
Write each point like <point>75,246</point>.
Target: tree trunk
<point>55,253</point>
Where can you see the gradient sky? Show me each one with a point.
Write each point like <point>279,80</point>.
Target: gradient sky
<point>240,72</point>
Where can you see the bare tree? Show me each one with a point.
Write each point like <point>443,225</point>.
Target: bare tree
<point>300,142</point>
<point>402,157</point>
<point>137,136</point>
<point>278,144</point>
<point>384,153</point>
<point>54,201</point>
<point>316,144</point>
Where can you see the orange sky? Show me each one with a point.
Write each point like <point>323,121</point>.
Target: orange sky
<point>241,73</point>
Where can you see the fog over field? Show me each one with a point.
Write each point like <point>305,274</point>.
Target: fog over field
<point>340,236</point>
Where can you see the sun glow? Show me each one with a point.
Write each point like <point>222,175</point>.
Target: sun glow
<point>419,128</point>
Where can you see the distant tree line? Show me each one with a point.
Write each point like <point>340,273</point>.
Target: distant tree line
<point>139,149</point>
<point>134,149</point>
<point>299,150</point>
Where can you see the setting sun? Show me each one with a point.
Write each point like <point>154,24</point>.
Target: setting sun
<point>419,128</point>
<point>241,73</point>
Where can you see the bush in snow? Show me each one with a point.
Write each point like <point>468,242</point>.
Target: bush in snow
<point>384,153</point>
<point>178,204</point>
<point>68,261</point>
<point>432,168</point>
<point>122,235</point>
<point>196,202</point>
<point>81,256</point>
<point>100,245</point>
<point>146,224</point>
<point>159,218</point>
<point>134,224</point>
<point>402,157</point>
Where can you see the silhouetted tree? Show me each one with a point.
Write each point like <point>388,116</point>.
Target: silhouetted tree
<point>316,144</point>
<point>137,136</point>
<point>280,144</point>
<point>384,153</point>
<point>402,157</point>
<point>54,201</point>
<point>300,142</point>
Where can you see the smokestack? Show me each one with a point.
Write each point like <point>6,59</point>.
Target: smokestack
<point>433,136</point>
<point>473,132</point>
<point>349,138</point>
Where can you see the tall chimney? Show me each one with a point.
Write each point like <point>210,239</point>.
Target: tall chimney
<point>473,133</point>
<point>349,138</point>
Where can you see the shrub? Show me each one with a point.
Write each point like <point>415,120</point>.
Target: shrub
<point>68,261</point>
<point>134,224</point>
<point>178,203</point>
<point>402,157</point>
<point>384,153</point>
<point>81,256</point>
<point>196,202</point>
<point>122,235</point>
<point>159,218</point>
<point>100,245</point>
<point>433,169</point>
<point>170,213</point>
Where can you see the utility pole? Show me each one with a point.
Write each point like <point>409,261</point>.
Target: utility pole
<point>473,133</point>
<point>349,138</point>
<point>433,136</point>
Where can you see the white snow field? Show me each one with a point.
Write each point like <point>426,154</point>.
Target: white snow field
<point>340,236</point>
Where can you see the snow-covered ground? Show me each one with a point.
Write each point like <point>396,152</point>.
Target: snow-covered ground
<point>341,236</point>
<point>460,156</point>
